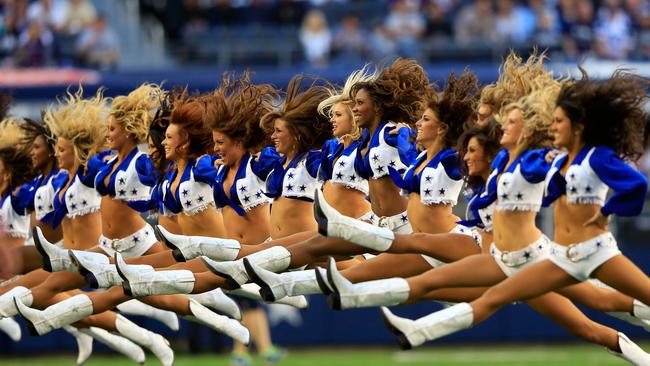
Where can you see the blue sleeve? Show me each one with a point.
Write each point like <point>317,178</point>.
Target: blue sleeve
<point>402,142</point>
<point>555,182</point>
<point>20,199</point>
<point>500,160</point>
<point>312,162</point>
<point>265,162</point>
<point>29,200</point>
<point>629,185</point>
<point>326,153</point>
<point>534,165</point>
<point>93,166</point>
<point>146,171</point>
<point>204,171</point>
<point>450,162</point>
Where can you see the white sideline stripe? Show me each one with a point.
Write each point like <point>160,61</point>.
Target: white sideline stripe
<point>486,356</point>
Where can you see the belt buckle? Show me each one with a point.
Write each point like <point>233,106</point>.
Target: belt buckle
<point>572,257</point>
<point>505,254</point>
<point>383,222</point>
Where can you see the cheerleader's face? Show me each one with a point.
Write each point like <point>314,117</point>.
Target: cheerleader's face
<point>563,132</point>
<point>364,110</point>
<point>116,136</point>
<point>64,153</point>
<point>40,153</point>
<point>475,159</point>
<point>175,142</point>
<point>285,142</point>
<point>429,127</point>
<point>228,149</point>
<point>512,129</point>
<point>342,123</point>
<point>483,114</point>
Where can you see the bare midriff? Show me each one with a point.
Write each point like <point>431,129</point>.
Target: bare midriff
<point>348,201</point>
<point>432,219</point>
<point>252,228</point>
<point>291,216</point>
<point>208,222</point>
<point>569,220</point>
<point>82,232</point>
<point>385,197</point>
<point>514,230</point>
<point>118,219</point>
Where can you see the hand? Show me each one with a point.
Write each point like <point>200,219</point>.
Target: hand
<point>399,126</point>
<point>599,220</point>
<point>551,154</point>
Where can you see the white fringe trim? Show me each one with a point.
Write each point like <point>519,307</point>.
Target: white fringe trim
<point>17,235</point>
<point>518,207</point>
<point>438,201</point>
<point>351,186</point>
<point>252,206</point>
<point>586,201</point>
<point>83,212</point>
<point>198,209</point>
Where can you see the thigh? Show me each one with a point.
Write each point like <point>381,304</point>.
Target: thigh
<point>444,247</point>
<point>157,247</point>
<point>455,294</point>
<point>472,271</point>
<point>623,275</point>
<point>318,248</point>
<point>31,258</point>
<point>387,265</point>
<point>597,298</point>
<point>532,281</point>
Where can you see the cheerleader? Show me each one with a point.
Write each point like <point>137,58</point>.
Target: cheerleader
<point>597,131</point>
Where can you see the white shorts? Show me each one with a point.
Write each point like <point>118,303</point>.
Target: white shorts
<point>513,262</point>
<point>580,260</point>
<point>458,229</point>
<point>130,246</point>
<point>399,224</point>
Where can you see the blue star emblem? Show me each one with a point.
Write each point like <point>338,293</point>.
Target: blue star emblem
<point>122,181</point>
<point>375,157</point>
<point>200,199</point>
<point>70,196</point>
<point>392,163</point>
<point>488,217</point>
<point>339,175</point>
<point>352,178</point>
<point>185,192</point>
<point>188,202</point>
<point>136,239</point>
<point>403,218</point>
<point>380,169</point>
<point>427,178</point>
<point>427,192</point>
<point>122,192</point>
<point>40,207</point>
<point>341,164</point>
<point>258,194</point>
<point>289,187</point>
<point>290,175</point>
<point>520,196</point>
<point>588,189</point>
<point>302,187</point>
<point>242,189</point>
<point>441,191</point>
<point>247,199</point>
<point>504,196</point>
<point>134,191</point>
<point>527,255</point>
<point>73,206</point>
<point>84,203</point>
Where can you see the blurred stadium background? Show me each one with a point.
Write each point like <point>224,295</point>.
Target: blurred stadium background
<point>48,45</point>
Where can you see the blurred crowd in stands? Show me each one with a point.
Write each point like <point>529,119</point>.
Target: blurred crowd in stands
<point>330,30</point>
<point>41,33</point>
<point>322,32</point>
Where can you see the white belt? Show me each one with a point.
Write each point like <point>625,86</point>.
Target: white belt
<point>390,222</point>
<point>579,251</point>
<point>523,256</point>
<point>126,243</point>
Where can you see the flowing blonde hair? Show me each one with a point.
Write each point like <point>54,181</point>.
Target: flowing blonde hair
<point>515,80</point>
<point>343,96</point>
<point>11,135</point>
<point>80,121</point>
<point>135,111</point>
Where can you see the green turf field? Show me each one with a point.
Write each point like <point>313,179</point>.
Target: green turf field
<point>443,356</point>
